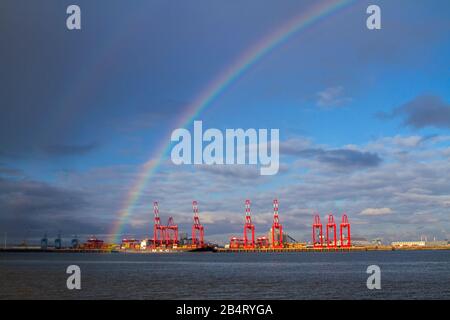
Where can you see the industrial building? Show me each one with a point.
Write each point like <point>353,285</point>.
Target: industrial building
<point>420,243</point>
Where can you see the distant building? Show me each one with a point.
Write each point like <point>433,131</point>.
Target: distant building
<point>93,243</point>
<point>184,239</point>
<point>408,244</point>
<point>377,242</point>
<point>421,243</point>
<point>361,242</point>
<point>44,243</point>
<point>286,238</point>
<point>436,243</point>
<point>75,243</point>
<point>184,236</point>
<point>145,244</point>
<point>58,242</point>
<point>132,244</point>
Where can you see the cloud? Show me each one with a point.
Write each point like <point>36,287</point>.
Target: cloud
<point>435,200</point>
<point>89,201</point>
<point>295,146</point>
<point>376,211</point>
<point>233,171</point>
<point>69,149</point>
<point>7,171</point>
<point>424,111</point>
<point>338,158</point>
<point>37,207</point>
<point>408,142</point>
<point>347,158</point>
<point>158,114</point>
<point>332,97</point>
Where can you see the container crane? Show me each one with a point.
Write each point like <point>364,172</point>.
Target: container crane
<point>197,228</point>
<point>277,228</point>
<point>171,233</point>
<point>331,225</point>
<point>345,235</point>
<point>158,229</point>
<point>248,226</point>
<point>317,232</point>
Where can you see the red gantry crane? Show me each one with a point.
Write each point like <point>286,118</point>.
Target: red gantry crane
<point>158,229</point>
<point>197,227</point>
<point>249,226</point>
<point>331,225</point>
<point>277,228</point>
<point>317,232</point>
<point>171,233</point>
<point>346,240</point>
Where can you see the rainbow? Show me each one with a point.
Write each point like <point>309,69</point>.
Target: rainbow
<point>319,11</point>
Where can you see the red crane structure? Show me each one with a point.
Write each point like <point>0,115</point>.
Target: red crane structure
<point>317,232</point>
<point>277,228</point>
<point>197,227</point>
<point>249,226</point>
<point>331,225</point>
<point>159,231</point>
<point>171,232</point>
<point>346,239</point>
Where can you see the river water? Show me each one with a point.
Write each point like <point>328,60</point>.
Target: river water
<point>342,275</point>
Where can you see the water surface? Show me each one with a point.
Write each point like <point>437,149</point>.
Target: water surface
<point>405,275</point>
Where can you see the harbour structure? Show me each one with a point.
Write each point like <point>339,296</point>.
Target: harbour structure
<point>275,238</point>
<point>331,232</point>
<point>130,244</point>
<point>74,243</point>
<point>158,229</point>
<point>93,243</point>
<point>248,226</point>
<point>58,241</point>
<point>171,233</point>
<point>317,232</point>
<point>277,228</point>
<point>166,238</point>
<point>44,242</point>
<point>420,243</point>
<point>344,232</point>
<point>198,231</point>
<point>331,240</point>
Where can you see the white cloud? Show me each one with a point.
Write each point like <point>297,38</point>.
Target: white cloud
<point>332,97</point>
<point>376,211</point>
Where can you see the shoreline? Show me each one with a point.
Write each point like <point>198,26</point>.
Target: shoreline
<point>221,250</point>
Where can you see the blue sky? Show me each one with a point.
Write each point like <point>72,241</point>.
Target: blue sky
<point>363,115</point>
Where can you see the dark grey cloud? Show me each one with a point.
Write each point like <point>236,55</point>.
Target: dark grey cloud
<point>233,171</point>
<point>48,101</point>
<point>160,113</point>
<point>33,208</point>
<point>423,111</point>
<point>69,149</point>
<point>340,158</point>
<point>346,158</point>
<point>7,171</point>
